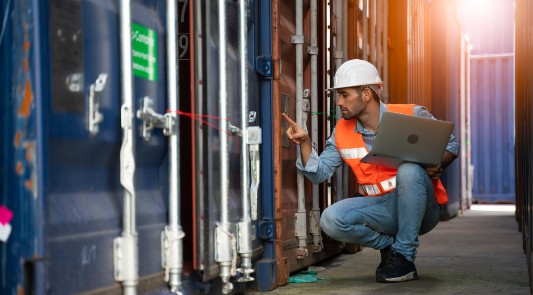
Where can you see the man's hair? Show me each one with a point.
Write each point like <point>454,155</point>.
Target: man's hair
<point>360,89</point>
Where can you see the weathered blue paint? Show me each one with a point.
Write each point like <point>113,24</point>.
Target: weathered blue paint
<point>267,267</point>
<point>23,181</point>
<point>75,192</point>
<point>55,174</point>
<point>492,99</point>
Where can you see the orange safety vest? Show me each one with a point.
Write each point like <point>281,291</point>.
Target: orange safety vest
<point>375,180</point>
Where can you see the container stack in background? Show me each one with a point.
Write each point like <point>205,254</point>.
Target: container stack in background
<point>489,28</point>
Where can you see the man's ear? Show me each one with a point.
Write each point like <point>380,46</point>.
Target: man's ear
<point>367,94</point>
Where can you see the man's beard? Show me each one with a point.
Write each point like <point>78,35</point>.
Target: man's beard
<point>355,111</point>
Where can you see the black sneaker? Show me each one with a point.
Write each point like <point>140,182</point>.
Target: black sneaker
<point>386,254</point>
<point>397,269</point>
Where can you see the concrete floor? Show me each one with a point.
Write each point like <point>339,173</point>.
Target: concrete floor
<point>477,253</point>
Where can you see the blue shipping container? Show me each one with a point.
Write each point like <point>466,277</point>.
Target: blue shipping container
<point>492,101</point>
<point>63,184</point>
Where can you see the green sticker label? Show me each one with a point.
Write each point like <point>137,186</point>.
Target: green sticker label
<point>144,43</point>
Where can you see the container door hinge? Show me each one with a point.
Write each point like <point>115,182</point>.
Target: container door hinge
<point>125,247</point>
<point>306,108</point>
<point>95,117</point>
<point>244,247</point>
<point>152,120</point>
<point>254,140</point>
<point>264,66</point>
<point>171,245</point>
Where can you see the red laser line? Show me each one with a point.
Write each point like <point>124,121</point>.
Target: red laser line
<point>195,116</point>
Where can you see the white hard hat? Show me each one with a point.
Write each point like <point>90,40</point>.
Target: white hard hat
<point>356,72</point>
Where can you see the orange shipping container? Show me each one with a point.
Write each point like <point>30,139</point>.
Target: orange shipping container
<point>409,52</point>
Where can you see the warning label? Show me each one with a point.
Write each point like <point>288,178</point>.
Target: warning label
<point>144,43</point>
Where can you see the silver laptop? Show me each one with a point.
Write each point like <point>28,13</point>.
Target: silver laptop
<point>403,138</point>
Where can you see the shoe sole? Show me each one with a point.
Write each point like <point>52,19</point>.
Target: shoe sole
<point>408,277</point>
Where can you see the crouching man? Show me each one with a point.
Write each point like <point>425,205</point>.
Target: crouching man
<point>398,205</point>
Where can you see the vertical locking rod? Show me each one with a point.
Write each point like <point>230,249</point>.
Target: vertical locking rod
<point>301,215</point>
<point>313,51</point>
<point>338,57</point>
<point>224,239</point>
<point>125,246</point>
<point>173,234</point>
<point>244,227</point>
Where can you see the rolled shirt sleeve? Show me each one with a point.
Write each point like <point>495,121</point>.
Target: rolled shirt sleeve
<point>453,145</point>
<point>320,168</point>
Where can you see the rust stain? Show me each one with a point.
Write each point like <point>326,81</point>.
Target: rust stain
<point>29,184</point>
<point>29,146</point>
<point>19,168</point>
<point>17,139</point>
<point>24,109</point>
<point>26,67</point>
<point>26,45</point>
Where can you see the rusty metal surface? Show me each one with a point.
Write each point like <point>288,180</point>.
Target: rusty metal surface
<point>288,87</point>
<point>284,55</point>
<point>284,124</point>
<point>523,93</point>
<point>282,262</point>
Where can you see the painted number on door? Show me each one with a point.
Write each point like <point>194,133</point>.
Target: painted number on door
<point>183,38</point>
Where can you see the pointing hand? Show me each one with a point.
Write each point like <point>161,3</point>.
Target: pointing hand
<point>295,133</point>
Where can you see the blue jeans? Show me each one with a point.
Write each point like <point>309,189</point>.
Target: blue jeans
<point>396,218</point>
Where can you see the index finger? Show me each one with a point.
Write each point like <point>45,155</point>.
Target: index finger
<point>288,119</point>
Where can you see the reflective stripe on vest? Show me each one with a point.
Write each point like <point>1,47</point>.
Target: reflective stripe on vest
<point>356,153</point>
<point>388,184</point>
<point>373,189</point>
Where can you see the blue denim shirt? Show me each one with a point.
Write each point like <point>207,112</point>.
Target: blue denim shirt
<point>318,169</point>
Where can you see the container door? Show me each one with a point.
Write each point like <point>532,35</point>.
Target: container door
<point>207,155</point>
<point>83,184</point>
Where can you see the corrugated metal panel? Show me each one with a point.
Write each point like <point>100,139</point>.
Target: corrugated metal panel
<point>492,128</point>
<point>207,148</point>
<point>409,49</point>
<point>488,24</point>
<point>523,120</point>
<point>465,127</point>
<point>419,53</point>
<point>68,180</point>
<point>489,28</point>
<point>64,183</point>
<point>285,50</point>
<point>445,92</point>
